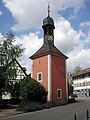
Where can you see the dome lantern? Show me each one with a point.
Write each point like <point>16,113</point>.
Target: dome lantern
<point>48,24</point>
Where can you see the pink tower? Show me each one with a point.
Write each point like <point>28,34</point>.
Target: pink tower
<point>49,65</point>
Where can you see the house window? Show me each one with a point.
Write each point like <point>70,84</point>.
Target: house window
<point>39,76</point>
<point>59,93</point>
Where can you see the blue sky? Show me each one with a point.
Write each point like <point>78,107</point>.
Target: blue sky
<point>7,20</point>
<point>72,27</point>
<point>81,16</point>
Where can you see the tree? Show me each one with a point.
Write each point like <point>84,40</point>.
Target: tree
<point>14,89</point>
<point>70,90</point>
<point>77,70</point>
<point>8,51</point>
<point>31,90</point>
<point>2,83</point>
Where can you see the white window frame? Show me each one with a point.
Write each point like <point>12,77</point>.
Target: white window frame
<point>38,77</point>
<point>60,94</point>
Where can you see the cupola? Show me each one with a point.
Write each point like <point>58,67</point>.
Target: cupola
<point>48,24</point>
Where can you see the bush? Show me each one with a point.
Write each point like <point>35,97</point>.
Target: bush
<point>31,90</point>
<point>15,101</point>
<point>29,106</point>
<point>33,106</point>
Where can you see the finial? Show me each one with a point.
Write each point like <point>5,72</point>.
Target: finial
<point>48,9</point>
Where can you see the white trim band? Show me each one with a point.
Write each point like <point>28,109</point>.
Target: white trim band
<point>66,81</point>
<point>49,80</point>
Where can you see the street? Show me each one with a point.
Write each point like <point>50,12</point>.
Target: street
<point>65,112</point>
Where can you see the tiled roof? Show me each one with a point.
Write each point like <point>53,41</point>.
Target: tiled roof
<point>47,49</point>
<point>83,72</point>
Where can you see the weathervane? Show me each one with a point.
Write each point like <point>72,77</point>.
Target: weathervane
<point>48,9</point>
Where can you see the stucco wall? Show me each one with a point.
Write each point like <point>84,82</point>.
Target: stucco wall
<point>41,65</point>
<point>58,77</point>
<point>58,74</point>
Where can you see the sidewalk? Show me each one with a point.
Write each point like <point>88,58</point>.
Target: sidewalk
<point>8,112</point>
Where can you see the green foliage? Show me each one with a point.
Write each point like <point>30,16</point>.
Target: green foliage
<point>8,51</point>
<point>11,73</point>
<point>2,80</point>
<point>31,90</point>
<point>70,90</point>
<point>34,106</point>
<point>77,70</point>
<point>14,89</point>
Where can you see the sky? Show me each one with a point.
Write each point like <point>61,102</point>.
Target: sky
<point>71,34</point>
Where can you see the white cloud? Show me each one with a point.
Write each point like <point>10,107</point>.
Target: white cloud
<point>31,42</point>
<point>28,14</point>
<point>83,24</point>
<point>0,13</point>
<point>70,43</point>
<point>82,58</point>
<point>1,37</point>
<point>85,29</point>
<point>65,4</point>
<point>66,39</point>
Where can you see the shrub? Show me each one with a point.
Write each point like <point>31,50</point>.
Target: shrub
<point>33,106</point>
<point>31,90</point>
<point>30,106</point>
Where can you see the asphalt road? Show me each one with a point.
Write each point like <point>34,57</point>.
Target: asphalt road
<point>65,112</point>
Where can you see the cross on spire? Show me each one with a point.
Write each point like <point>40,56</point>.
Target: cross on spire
<point>48,9</point>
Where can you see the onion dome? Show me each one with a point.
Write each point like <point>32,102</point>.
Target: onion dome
<point>48,21</point>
